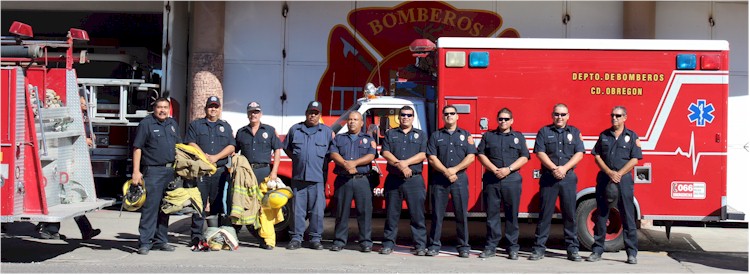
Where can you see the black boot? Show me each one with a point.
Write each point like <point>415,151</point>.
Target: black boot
<point>87,232</point>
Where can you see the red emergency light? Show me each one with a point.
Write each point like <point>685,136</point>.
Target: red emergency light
<point>710,62</point>
<point>421,47</point>
<point>78,34</point>
<point>21,29</point>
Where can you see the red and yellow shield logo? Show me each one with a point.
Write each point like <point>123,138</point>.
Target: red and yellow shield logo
<point>380,44</point>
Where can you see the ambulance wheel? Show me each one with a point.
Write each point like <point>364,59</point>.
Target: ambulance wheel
<point>585,219</point>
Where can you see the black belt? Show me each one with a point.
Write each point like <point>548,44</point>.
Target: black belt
<point>168,164</point>
<point>258,165</point>
<point>354,176</point>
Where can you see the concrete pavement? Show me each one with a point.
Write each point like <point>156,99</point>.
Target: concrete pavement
<point>690,250</point>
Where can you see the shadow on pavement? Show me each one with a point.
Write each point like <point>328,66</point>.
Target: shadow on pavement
<point>21,244</point>
<point>683,248</point>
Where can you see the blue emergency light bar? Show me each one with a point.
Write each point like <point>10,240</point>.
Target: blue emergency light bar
<point>686,61</point>
<point>479,59</point>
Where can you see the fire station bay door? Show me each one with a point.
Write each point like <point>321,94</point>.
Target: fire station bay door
<point>468,119</point>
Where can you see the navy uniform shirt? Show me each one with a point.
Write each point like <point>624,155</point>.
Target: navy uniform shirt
<point>352,147</point>
<point>258,148</point>
<point>616,152</point>
<point>307,147</point>
<point>449,148</point>
<point>502,149</point>
<point>560,144</point>
<point>403,146</point>
<point>211,137</point>
<point>156,140</point>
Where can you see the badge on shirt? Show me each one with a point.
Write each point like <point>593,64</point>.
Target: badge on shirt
<point>570,137</point>
<point>461,137</point>
<point>173,131</point>
<point>416,135</point>
<point>265,135</point>
<point>627,139</point>
<point>515,140</point>
<point>364,140</point>
<point>221,128</point>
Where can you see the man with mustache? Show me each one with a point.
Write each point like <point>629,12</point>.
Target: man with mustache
<point>616,152</point>
<point>153,166</point>
<point>353,153</point>
<point>212,136</point>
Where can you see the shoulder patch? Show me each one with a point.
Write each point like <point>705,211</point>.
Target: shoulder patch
<point>638,142</point>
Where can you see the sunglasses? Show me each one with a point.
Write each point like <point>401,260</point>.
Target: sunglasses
<point>449,114</point>
<point>559,114</point>
<point>503,119</point>
<point>616,115</point>
<point>406,115</point>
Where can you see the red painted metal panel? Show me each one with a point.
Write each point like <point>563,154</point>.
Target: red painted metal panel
<point>35,200</point>
<point>591,82</point>
<point>7,138</point>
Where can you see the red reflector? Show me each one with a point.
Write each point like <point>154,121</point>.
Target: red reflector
<point>79,34</point>
<point>21,29</point>
<point>710,62</point>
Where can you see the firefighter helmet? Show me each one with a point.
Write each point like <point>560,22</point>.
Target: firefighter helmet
<point>133,196</point>
<point>277,198</point>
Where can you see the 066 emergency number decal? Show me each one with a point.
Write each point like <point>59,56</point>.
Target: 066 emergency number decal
<point>686,190</point>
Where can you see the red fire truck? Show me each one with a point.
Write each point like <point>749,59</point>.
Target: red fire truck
<point>46,171</point>
<point>675,92</point>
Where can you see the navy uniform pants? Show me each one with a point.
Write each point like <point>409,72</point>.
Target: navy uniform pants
<point>507,195</point>
<point>624,206</point>
<point>211,189</point>
<point>308,198</point>
<point>346,189</point>
<point>459,193</point>
<point>412,190</point>
<point>154,224</point>
<point>550,188</point>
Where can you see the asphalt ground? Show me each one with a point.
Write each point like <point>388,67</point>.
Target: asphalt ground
<point>691,249</point>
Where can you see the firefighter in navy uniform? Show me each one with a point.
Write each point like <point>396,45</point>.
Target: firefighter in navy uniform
<point>404,149</point>
<point>153,166</point>
<point>307,144</point>
<point>213,137</point>
<point>353,153</point>
<point>259,143</point>
<point>616,153</point>
<point>502,152</point>
<point>450,151</point>
<point>559,148</point>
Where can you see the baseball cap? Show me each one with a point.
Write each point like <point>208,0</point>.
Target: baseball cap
<point>314,105</point>
<point>253,106</point>
<point>213,100</point>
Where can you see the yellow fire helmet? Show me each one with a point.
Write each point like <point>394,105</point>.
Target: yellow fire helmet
<point>133,196</point>
<point>277,198</point>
